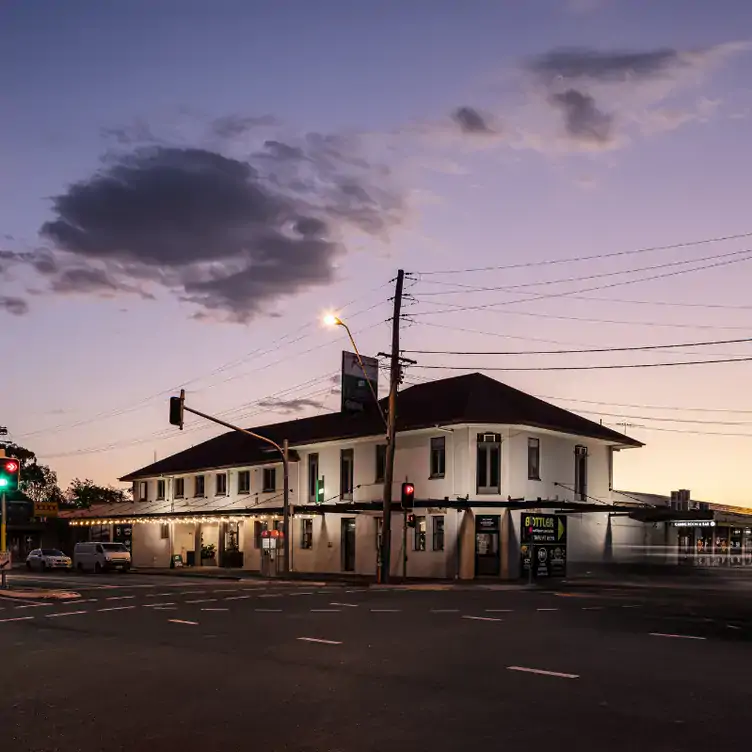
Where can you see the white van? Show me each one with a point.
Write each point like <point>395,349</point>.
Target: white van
<point>101,557</point>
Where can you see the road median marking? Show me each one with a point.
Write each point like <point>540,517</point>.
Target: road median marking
<point>183,621</point>
<point>157,605</point>
<point>316,639</point>
<point>237,598</point>
<point>678,636</point>
<point>203,600</point>
<point>34,605</point>
<point>385,610</point>
<point>115,608</point>
<point>215,609</point>
<point>120,598</point>
<point>17,618</point>
<point>481,618</point>
<point>543,672</point>
<point>65,613</point>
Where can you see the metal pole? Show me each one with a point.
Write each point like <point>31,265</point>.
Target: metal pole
<point>3,538</point>
<point>386,543</point>
<point>286,506</point>
<point>404,544</point>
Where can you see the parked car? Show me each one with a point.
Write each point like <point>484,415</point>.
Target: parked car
<point>47,558</point>
<point>101,557</point>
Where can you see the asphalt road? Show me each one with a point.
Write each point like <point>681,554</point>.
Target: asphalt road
<point>165,663</point>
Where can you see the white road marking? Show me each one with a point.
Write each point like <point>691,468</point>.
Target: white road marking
<point>65,613</point>
<point>34,605</point>
<point>192,592</point>
<point>346,605</point>
<point>115,608</point>
<point>732,626</point>
<point>271,595</point>
<point>385,610</point>
<point>224,591</point>
<point>120,598</point>
<point>636,605</point>
<point>481,618</point>
<point>326,610</point>
<point>315,639</point>
<point>237,598</point>
<point>203,600</point>
<point>557,674</point>
<point>546,609</point>
<point>444,610</point>
<point>215,609</point>
<point>592,608</point>
<point>166,608</point>
<point>679,636</point>
<point>268,610</point>
<point>156,605</point>
<point>17,618</point>
<point>182,621</point>
<point>499,610</point>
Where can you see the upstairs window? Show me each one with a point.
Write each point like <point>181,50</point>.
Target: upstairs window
<point>221,484</point>
<point>489,463</point>
<point>199,486</point>
<point>270,479</point>
<point>179,488</point>
<point>244,482</point>
<point>533,459</point>
<point>346,474</point>
<point>313,478</point>
<point>380,463</point>
<point>438,456</point>
<point>143,490</point>
<point>160,489</point>
<point>580,473</point>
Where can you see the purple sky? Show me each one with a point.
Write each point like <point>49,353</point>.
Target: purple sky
<point>186,186</point>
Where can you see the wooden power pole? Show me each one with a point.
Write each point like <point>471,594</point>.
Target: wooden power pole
<point>394,378</point>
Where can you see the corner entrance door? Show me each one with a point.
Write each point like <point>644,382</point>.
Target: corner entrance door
<point>348,544</point>
<point>487,553</point>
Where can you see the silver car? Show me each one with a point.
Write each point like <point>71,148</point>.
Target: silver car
<point>48,558</point>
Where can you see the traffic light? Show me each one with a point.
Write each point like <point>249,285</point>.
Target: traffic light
<point>320,490</point>
<point>408,495</point>
<point>10,470</point>
<point>176,410</point>
<point>411,520</point>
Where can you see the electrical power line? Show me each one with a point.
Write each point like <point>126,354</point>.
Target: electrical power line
<point>591,367</point>
<point>574,259</point>
<point>467,289</point>
<point>584,350</point>
<point>666,419</point>
<point>646,407</point>
<point>454,308</point>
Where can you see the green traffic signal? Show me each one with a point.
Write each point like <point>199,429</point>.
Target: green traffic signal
<point>320,490</point>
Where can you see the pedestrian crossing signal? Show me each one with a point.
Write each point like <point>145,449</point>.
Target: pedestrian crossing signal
<point>9,474</point>
<point>411,520</point>
<point>320,490</point>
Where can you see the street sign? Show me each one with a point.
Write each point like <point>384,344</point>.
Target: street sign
<point>45,509</point>
<point>543,545</point>
<point>357,392</point>
<point>4,560</point>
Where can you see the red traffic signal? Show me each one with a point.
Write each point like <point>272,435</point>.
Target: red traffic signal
<point>9,475</point>
<point>408,495</point>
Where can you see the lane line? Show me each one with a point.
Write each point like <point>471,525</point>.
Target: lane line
<point>203,600</point>
<point>215,609</point>
<point>271,595</point>
<point>326,610</point>
<point>65,613</point>
<point>115,608</point>
<point>156,605</point>
<point>166,608</point>
<point>17,618</point>
<point>34,605</point>
<point>678,636</point>
<point>592,608</point>
<point>346,605</point>
<point>237,597</point>
<point>499,610</point>
<point>183,621</point>
<point>120,598</point>
<point>546,609</point>
<point>444,610</point>
<point>481,618</point>
<point>192,592</point>
<point>385,610</point>
<point>316,639</point>
<point>557,674</point>
<point>231,590</point>
<point>636,605</point>
<point>268,610</point>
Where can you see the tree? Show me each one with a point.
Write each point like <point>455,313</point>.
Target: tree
<point>82,494</point>
<point>38,482</point>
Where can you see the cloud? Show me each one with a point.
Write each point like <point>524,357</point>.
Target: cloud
<point>233,126</point>
<point>13,305</point>
<point>229,236</point>
<point>471,121</point>
<point>583,120</point>
<point>290,406</point>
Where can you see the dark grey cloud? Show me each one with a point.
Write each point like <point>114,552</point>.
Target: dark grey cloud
<point>471,121</point>
<point>582,119</point>
<point>13,305</point>
<point>290,405</point>
<point>232,126</point>
<point>229,236</point>
<point>138,132</point>
<point>577,63</point>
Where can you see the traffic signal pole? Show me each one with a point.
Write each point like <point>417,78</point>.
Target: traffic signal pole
<point>176,418</point>
<point>3,538</point>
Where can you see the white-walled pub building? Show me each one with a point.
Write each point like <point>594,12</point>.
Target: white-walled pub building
<point>479,453</point>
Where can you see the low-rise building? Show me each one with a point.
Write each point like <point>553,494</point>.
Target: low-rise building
<point>479,453</point>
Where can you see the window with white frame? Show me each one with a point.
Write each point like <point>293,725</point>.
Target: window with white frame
<point>179,488</point>
<point>438,532</point>
<point>244,482</point>
<point>489,463</point>
<point>438,456</point>
<point>533,459</point>
<point>346,474</point>
<point>306,533</point>
<point>199,486</point>
<point>270,479</point>
<point>313,478</point>
<point>419,541</point>
<point>378,476</point>
<point>143,490</point>
<point>160,489</point>
<point>220,484</point>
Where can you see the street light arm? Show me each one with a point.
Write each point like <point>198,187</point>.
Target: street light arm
<point>235,428</point>
<point>363,368</point>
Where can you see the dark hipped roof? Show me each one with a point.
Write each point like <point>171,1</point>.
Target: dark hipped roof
<point>470,398</point>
